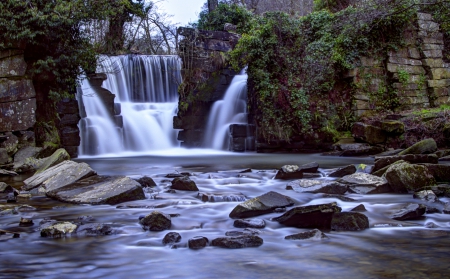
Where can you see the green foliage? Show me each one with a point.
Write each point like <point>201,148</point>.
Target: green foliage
<point>226,13</point>
<point>403,76</point>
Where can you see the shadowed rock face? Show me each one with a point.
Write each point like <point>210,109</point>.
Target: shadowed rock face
<point>409,212</point>
<point>296,172</point>
<point>425,146</point>
<point>312,216</point>
<point>261,205</point>
<point>313,235</point>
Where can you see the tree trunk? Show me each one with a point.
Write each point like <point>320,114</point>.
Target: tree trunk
<point>212,5</point>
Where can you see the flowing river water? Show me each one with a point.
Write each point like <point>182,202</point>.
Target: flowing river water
<point>389,249</point>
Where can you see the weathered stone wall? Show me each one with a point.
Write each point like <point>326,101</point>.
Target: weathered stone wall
<point>17,104</point>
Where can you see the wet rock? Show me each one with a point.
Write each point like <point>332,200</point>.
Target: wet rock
<point>184,183</point>
<point>393,127</point>
<point>94,229</point>
<point>5,188</point>
<point>339,197</point>
<point>431,210</point>
<point>431,225</point>
<point>363,150</point>
<point>425,146</point>
<point>221,197</point>
<point>442,153</point>
<point>349,221</point>
<point>441,173</point>
<point>296,172</point>
<point>446,208</point>
<point>58,230</point>
<point>171,238</point>
<point>441,190</point>
<point>99,190</point>
<point>364,183</point>
<point>382,171</point>
<point>405,177</point>
<point>83,219</point>
<point>25,222</point>
<point>11,197</point>
<point>156,221</point>
<point>426,195</point>
<point>4,157</point>
<point>392,152</point>
<point>249,223</point>
<point>174,175</point>
<point>238,241</point>
<point>26,208</point>
<point>359,208</point>
<point>263,204</point>
<point>197,242</point>
<point>146,181</point>
<point>63,174</point>
<point>317,186</point>
<point>409,212</point>
<point>312,235</point>
<point>381,162</point>
<point>340,172</point>
<point>22,155</point>
<point>308,175</point>
<point>7,173</point>
<point>312,216</point>
<point>368,133</point>
<point>247,231</point>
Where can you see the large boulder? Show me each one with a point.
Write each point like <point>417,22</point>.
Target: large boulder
<point>296,172</point>
<point>184,183</point>
<point>425,146</point>
<point>410,211</point>
<point>440,172</point>
<point>405,177</point>
<point>312,216</point>
<point>381,162</point>
<point>317,186</point>
<point>263,204</point>
<point>349,221</point>
<point>156,221</point>
<point>63,174</point>
<point>99,190</point>
<point>368,133</point>
<point>243,241</point>
<point>364,183</point>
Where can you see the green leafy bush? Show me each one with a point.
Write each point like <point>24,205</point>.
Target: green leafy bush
<point>226,13</point>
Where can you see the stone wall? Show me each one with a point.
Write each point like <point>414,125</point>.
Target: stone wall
<point>17,104</point>
<point>416,76</point>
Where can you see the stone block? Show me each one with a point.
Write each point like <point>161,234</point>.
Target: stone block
<point>16,90</point>
<point>69,119</point>
<point>17,116</point>
<point>434,34</point>
<point>67,106</point>
<point>10,52</point>
<point>237,144</point>
<point>413,100</point>
<point>444,100</point>
<point>191,135</point>
<point>428,26</point>
<point>72,150</point>
<point>440,73</point>
<point>432,47</point>
<point>438,41</point>
<point>13,66</point>
<point>411,79</point>
<point>406,86</point>
<point>439,83</point>
<point>440,92</point>
<point>118,121</point>
<point>218,45</point>
<point>424,16</point>
<point>412,93</point>
<point>415,70</point>
<point>432,53</point>
<point>370,62</point>
<point>405,61</point>
<point>403,53</point>
<point>433,62</point>
<point>70,136</point>
<point>414,53</point>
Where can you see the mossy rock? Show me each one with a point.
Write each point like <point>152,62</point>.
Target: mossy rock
<point>57,157</point>
<point>405,177</point>
<point>425,146</point>
<point>393,127</point>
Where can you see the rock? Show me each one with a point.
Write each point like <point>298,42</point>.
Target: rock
<point>174,175</point>
<point>184,183</point>
<point>230,27</point>
<point>393,127</point>
<point>339,197</point>
<point>247,231</point>
<point>340,172</point>
<point>56,158</point>
<point>382,171</point>
<point>296,172</point>
<point>359,208</point>
<point>317,186</point>
<point>25,222</point>
<point>349,221</point>
<point>9,142</point>
<point>312,235</point>
<point>381,162</point>
<point>446,209</point>
<point>409,212</point>
<point>426,195</point>
<point>221,197</point>
<point>364,183</point>
<point>25,159</point>
<point>405,177</point>
<point>58,230</point>
<point>5,188</point>
<point>362,151</point>
<point>444,152</point>
<point>263,204</point>
<point>392,152</point>
<point>238,241</point>
<point>17,116</point>
<point>431,225</point>
<point>99,190</point>
<point>441,173</point>
<point>197,242</point>
<point>156,221</point>
<point>441,190</point>
<point>4,157</point>
<point>425,146</point>
<point>312,216</point>
<point>368,133</point>
<point>146,181</point>
<point>94,229</point>
<point>250,223</point>
<point>8,173</point>
<point>171,238</point>
<point>11,197</point>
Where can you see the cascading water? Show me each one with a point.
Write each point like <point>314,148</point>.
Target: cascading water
<point>146,89</point>
<point>232,109</point>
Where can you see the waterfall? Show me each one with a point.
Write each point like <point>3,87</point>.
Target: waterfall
<point>232,109</point>
<point>146,98</point>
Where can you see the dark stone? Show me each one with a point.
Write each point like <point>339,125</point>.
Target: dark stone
<point>67,106</point>
<point>364,183</point>
<point>4,157</point>
<point>249,223</point>
<point>25,222</point>
<point>426,195</point>
<point>16,90</point>
<point>174,175</point>
<point>13,66</point>
<point>70,136</point>
<point>221,197</point>
<point>363,151</point>
<point>425,146</point>
<point>350,169</point>
<point>146,181</point>
<point>441,190</point>
<point>171,238</point>
<point>405,177</point>
<point>26,138</point>
<point>5,188</point>
<point>247,231</point>
<point>381,162</point>
<point>446,209</point>
<point>317,186</point>
<point>349,221</point>
<point>359,208</point>
<point>17,116</point>
<point>72,151</point>
<point>393,127</point>
<point>368,133</point>
<point>198,242</point>
<point>184,183</point>
<point>238,241</point>
<point>409,212</point>
<point>94,229</point>
<point>440,172</point>
<point>69,119</point>
<point>312,216</point>
<point>313,234</point>
<point>156,221</point>
<point>238,144</point>
<point>263,204</point>
<point>296,172</point>
<point>382,171</point>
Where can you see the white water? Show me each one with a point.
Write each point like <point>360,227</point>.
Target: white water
<point>231,110</point>
<point>146,89</point>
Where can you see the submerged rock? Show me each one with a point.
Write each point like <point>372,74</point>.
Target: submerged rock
<point>312,216</point>
<point>364,183</point>
<point>99,190</point>
<point>311,235</point>
<point>171,238</point>
<point>425,146</point>
<point>221,197</point>
<point>146,181</point>
<point>409,212</point>
<point>25,222</point>
<point>317,186</point>
<point>58,230</point>
<point>349,221</point>
<point>94,229</point>
<point>249,223</point>
<point>198,242</point>
<point>156,221</point>
<point>243,241</point>
<point>263,204</point>
<point>340,172</point>
<point>359,208</point>
<point>247,231</point>
<point>184,183</point>
<point>405,177</point>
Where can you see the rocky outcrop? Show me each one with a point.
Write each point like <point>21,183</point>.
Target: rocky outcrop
<point>260,205</point>
<point>426,146</point>
<point>312,216</point>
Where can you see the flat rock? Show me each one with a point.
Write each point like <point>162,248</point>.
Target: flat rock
<point>99,190</point>
<point>364,183</point>
<point>58,176</point>
<point>156,221</point>
<point>7,173</point>
<point>425,146</point>
<point>410,211</point>
<point>312,216</point>
<point>405,177</point>
<point>238,241</point>
<point>340,172</point>
<point>349,221</point>
<point>221,197</point>
<point>249,223</point>
<point>184,183</point>
<point>260,205</point>
<point>5,188</point>
<point>317,186</point>
<point>311,235</point>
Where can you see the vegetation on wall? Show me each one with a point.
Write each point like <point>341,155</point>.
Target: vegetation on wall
<point>225,13</point>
